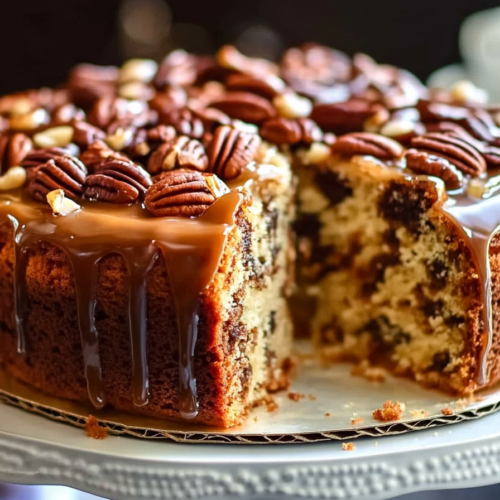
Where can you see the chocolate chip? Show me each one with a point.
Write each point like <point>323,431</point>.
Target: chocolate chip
<point>333,186</point>
<point>439,361</point>
<point>437,272</point>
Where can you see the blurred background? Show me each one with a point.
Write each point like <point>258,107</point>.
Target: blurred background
<point>41,40</point>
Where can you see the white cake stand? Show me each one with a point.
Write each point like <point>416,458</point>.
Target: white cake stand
<point>34,450</point>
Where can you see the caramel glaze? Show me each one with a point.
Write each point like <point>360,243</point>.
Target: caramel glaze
<point>191,248</point>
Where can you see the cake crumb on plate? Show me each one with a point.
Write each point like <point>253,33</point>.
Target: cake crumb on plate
<point>356,420</point>
<point>348,446</point>
<point>328,414</point>
<point>94,430</point>
<point>419,413</point>
<point>295,396</point>
<point>447,411</point>
<point>390,411</point>
<point>370,373</point>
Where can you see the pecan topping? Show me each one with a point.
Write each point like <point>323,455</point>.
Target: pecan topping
<point>183,193</point>
<point>109,109</point>
<point>85,134</point>
<point>365,143</point>
<point>118,182</point>
<point>349,116</point>
<point>13,150</point>
<point>185,122</point>
<point>164,102</point>
<point>181,152</point>
<point>231,150</point>
<point>284,131</point>
<point>230,58</point>
<point>67,113</point>
<point>267,86</point>
<point>245,106</point>
<point>59,172</point>
<point>178,69</point>
<point>457,151</point>
<point>35,159</point>
<point>87,82</point>
<point>99,152</point>
<point>421,162</point>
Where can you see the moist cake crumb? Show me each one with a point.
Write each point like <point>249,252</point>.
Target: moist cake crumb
<point>348,446</point>
<point>94,430</point>
<point>447,411</point>
<point>390,411</point>
<point>295,396</point>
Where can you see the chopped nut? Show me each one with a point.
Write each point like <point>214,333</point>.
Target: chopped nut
<point>447,411</point>
<point>29,121</point>
<point>348,446</point>
<point>216,186</point>
<point>14,178</point>
<point>21,106</point>
<point>374,123</point>
<point>397,128</point>
<point>291,105</point>
<point>55,137</point>
<point>138,70</point>
<point>120,139</point>
<point>317,153</point>
<point>390,411</point>
<point>94,429</point>
<point>60,204</point>
<point>135,91</point>
<point>465,91</point>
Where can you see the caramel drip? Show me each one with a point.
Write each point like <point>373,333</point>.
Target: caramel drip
<point>478,221</point>
<point>192,249</point>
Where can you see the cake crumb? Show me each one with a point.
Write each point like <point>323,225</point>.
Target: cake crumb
<point>271,404</point>
<point>348,446</point>
<point>282,376</point>
<point>356,420</point>
<point>255,419</point>
<point>328,414</point>
<point>419,413</point>
<point>312,397</point>
<point>295,396</point>
<point>370,373</point>
<point>447,411</point>
<point>94,430</point>
<point>390,411</point>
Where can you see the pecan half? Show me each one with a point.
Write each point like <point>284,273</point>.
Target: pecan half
<point>365,143</point>
<point>185,122</point>
<point>183,193</point>
<point>456,150</point>
<point>284,131</point>
<point>35,159</point>
<point>108,109</point>
<point>181,152</point>
<point>348,116</point>
<point>267,86</point>
<point>421,162</point>
<point>177,69</point>
<point>85,134</point>
<point>118,182</point>
<point>13,150</point>
<point>97,153</point>
<point>59,172</point>
<point>245,106</point>
<point>231,150</point>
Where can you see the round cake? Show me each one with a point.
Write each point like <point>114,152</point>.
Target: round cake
<point>166,230</point>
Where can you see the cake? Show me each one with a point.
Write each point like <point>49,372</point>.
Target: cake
<point>166,230</point>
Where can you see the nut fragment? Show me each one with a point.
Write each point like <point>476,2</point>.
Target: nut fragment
<point>291,105</point>
<point>135,91</point>
<point>121,138</point>
<point>14,178</point>
<point>465,91</point>
<point>29,121</point>
<point>138,70</point>
<point>60,204</point>
<point>54,137</point>
<point>183,193</point>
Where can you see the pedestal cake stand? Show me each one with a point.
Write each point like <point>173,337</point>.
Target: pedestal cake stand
<point>34,450</point>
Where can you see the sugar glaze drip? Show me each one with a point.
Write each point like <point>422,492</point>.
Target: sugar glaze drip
<point>191,249</point>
